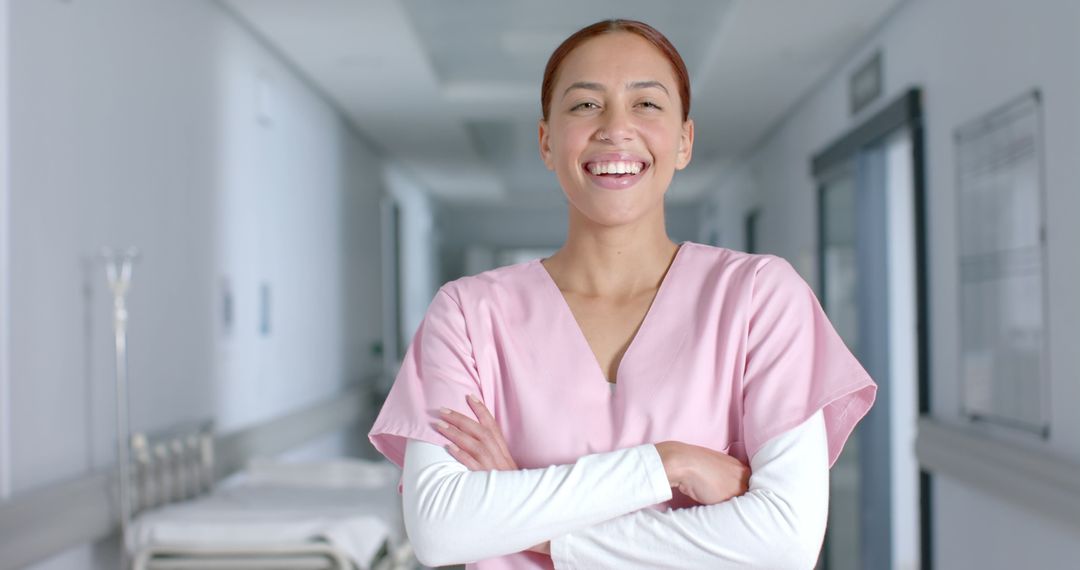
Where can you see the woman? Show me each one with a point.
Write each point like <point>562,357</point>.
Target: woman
<point>597,408</point>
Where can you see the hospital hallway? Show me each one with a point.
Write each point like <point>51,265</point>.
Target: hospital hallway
<point>222,223</point>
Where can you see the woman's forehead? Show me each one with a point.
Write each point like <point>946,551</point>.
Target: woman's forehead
<point>615,59</point>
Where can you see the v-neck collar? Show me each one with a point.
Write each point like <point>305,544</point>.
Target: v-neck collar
<point>583,342</point>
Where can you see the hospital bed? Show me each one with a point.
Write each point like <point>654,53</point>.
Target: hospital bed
<point>343,514</point>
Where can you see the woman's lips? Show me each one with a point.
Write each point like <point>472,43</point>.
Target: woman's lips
<point>614,181</point>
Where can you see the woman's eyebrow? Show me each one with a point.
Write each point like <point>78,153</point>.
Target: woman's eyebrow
<point>646,85</point>
<point>593,86</point>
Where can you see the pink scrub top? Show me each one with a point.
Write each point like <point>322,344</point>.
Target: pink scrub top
<point>734,350</point>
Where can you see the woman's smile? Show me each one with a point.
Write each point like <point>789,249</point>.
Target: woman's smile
<point>615,170</point>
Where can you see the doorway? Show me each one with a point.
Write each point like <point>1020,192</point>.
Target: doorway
<point>871,255</point>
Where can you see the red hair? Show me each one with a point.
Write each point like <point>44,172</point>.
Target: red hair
<point>606,27</point>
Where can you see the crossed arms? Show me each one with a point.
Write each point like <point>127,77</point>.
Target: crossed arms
<point>593,511</point>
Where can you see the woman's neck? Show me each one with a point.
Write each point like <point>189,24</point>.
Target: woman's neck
<point>612,262</point>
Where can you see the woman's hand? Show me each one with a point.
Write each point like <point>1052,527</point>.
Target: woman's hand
<point>705,475</point>
<point>479,445</point>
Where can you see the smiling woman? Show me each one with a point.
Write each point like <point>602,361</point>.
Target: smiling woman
<point>616,123</point>
<point>568,412</point>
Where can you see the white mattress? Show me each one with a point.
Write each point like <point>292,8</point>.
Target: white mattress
<point>351,504</point>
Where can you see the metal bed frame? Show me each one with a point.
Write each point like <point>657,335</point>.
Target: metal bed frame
<point>178,466</point>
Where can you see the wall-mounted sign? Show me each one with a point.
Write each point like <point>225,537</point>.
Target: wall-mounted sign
<point>866,83</point>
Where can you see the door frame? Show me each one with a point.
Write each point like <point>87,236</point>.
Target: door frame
<point>905,111</point>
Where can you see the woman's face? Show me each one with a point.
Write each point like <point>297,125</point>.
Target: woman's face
<point>615,134</point>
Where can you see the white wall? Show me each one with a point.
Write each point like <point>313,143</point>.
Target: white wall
<point>139,122</point>
<point>417,250</point>
<point>969,56</point>
<point>723,212</point>
<point>297,210</point>
<point>5,407</point>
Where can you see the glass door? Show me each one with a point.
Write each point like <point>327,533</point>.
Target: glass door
<point>839,288</point>
<point>868,275</point>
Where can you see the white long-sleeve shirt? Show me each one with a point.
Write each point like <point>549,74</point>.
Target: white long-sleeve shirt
<point>593,510</point>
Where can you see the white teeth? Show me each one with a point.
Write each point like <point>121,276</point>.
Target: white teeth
<point>619,167</point>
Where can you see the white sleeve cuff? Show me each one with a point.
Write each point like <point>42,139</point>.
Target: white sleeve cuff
<point>560,553</point>
<point>654,466</point>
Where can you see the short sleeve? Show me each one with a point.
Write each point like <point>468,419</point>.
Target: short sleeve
<point>797,364</point>
<point>439,370</point>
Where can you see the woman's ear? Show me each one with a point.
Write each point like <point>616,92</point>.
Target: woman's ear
<point>545,144</point>
<point>686,145</point>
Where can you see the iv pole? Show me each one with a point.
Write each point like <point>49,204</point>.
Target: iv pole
<point>118,265</point>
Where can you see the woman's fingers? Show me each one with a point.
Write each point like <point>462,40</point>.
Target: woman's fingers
<point>463,440</point>
<point>473,438</point>
<point>469,427</point>
<point>481,440</point>
<point>487,439</point>
<point>464,458</point>
<point>488,421</point>
<point>481,411</point>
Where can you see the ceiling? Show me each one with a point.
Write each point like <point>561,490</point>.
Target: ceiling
<point>449,89</point>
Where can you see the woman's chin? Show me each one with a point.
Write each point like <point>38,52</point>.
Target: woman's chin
<point>606,217</point>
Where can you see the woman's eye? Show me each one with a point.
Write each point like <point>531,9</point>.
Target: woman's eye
<point>584,105</point>
<point>650,104</point>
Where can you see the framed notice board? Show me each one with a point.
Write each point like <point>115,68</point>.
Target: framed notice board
<point>1002,267</point>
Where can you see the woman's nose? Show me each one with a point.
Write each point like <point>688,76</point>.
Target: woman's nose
<point>616,126</point>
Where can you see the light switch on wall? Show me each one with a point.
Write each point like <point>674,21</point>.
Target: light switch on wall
<point>264,100</point>
<point>264,309</point>
<point>227,307</point>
